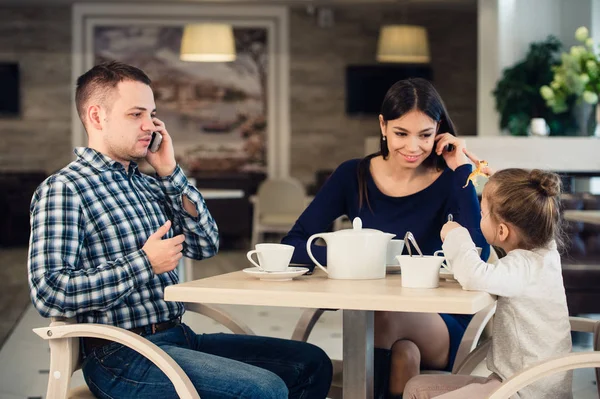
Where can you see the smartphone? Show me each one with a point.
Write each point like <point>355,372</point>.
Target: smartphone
<point>450,147</point>
<point>155,142</point>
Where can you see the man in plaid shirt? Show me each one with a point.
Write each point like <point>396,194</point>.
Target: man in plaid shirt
<point>105,242</point>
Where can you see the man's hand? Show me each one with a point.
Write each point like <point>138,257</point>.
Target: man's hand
<point>163,255</point>
<point>163,160</point>
<point>448,227</point>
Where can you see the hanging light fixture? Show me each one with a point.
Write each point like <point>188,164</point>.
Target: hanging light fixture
<point>208,42</point>
<point>403,43</point>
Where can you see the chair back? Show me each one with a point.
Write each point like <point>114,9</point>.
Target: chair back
<point>281,196</point>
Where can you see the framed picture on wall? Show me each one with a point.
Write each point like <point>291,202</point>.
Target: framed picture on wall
<point>224,117</point>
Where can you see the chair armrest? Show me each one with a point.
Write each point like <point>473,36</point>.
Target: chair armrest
<point>544,369</point>
<point>472,335</point>
<point>181,382</point>
<point>473,359</point>
<point>583,325</point>
<point>220,316</point>
<point>306,323</point>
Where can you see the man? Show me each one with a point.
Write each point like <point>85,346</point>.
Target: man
<point>105,243</point>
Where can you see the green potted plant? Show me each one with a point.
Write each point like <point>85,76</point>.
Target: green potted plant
<point>517,92</point>
<point>577,77</point>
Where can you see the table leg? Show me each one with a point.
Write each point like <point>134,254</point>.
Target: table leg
<point>357,330</point>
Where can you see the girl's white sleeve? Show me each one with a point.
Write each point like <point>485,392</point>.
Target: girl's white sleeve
<point>508,277</point>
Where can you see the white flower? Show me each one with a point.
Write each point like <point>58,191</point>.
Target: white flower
<point>590,97</point>
<point>582,34</point>
<point>546,92</point>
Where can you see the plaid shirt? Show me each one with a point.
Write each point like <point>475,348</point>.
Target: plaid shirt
<point>89,222</point>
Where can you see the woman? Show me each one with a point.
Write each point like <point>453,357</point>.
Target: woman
<point>412,184</point>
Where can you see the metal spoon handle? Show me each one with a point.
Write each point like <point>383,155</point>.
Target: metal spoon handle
<point>410,238</point>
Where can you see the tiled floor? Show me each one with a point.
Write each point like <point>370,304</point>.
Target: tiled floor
<point>24,358</point>
<point>14,291</point>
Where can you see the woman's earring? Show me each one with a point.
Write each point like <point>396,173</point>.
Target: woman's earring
<point>383,138</point>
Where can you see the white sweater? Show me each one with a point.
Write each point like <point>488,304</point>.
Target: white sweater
<point>531,322</point>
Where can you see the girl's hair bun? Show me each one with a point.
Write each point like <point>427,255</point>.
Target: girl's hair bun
<point>547,183</point>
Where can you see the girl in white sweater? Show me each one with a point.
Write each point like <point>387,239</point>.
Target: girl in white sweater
<point>520,214</point>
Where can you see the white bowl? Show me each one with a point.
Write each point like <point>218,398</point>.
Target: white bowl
<point>420,271</point>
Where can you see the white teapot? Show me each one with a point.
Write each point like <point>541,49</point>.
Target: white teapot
<point>354,254</point>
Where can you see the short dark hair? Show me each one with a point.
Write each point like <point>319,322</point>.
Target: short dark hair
<point>101,80</point>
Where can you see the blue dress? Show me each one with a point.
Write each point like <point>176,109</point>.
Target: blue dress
<point>423,213</point>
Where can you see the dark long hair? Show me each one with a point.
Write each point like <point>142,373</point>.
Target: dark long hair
<point>405,96</point>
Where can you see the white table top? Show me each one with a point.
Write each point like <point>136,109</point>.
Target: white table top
<point>317,291</point>
<point>590,216</point>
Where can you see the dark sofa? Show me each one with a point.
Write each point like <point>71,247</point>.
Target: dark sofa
<point>581,257</point>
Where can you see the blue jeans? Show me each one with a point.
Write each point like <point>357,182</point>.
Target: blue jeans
<point>219,366</point>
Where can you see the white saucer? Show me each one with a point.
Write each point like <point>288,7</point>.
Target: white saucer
<point>447,275</point>
<point>286,275</point>
<point>444,274</point>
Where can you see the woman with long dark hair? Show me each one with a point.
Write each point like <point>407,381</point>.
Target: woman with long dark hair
<point>412,184</point>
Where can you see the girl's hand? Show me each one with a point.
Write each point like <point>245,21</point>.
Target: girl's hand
<point>454,158</point>
<point>475,159</point>
<point>448,227</point>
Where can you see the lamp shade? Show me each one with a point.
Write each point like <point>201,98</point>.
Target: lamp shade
<point>403,43</point>
<point>208,42</point>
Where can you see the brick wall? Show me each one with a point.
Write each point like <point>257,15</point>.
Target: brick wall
<point>39,38</point>
<point>323,136</point>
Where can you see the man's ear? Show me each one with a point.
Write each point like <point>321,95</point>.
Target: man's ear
<point>94,116</point>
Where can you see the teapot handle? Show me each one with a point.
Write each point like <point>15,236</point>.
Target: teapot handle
<point>310,240</point>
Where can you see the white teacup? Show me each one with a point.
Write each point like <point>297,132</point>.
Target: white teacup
<point>272,257</point>
<point>394,249</point>
<point>420,271</point>
<point>446,265</point>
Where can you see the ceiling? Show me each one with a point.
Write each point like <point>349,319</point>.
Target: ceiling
<point>318,3</point>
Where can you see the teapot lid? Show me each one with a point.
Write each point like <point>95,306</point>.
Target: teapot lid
<point>358,229</point>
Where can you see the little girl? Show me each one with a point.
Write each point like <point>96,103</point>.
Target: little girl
<point>520,214</point>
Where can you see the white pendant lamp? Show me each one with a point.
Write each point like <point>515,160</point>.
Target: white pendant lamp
<point>208,42</point>
<point>403,43</point>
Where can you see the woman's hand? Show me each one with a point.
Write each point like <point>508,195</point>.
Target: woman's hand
<point>447,228</point>
<point>454,158</point>
<point>475,159</point>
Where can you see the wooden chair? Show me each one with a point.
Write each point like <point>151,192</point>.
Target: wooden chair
<point>558,364</point>
<point>65,358</point>
<point>277,205</point>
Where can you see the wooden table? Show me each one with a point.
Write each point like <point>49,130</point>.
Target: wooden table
<point>590,216</point>
<point>358,299</point>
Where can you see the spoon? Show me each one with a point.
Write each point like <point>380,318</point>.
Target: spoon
<point>409,237</point>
